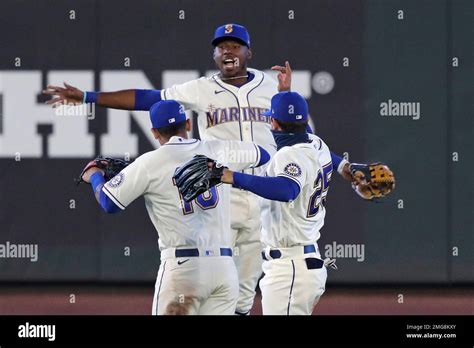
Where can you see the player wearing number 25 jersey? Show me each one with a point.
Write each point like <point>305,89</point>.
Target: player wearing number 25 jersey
<point>296,185</point>
<point>197,274</point>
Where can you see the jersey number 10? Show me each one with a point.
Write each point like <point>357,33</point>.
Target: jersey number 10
<point>321,185</point>
<point>206,200</point>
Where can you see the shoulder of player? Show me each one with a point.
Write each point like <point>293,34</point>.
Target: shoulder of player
<point>303,154</point>
<point>213,147</point>
<point>288,152</point>
<point>153,158</point>
<point>142,160</point>
<point>318,143</point>
<point>267,79</point>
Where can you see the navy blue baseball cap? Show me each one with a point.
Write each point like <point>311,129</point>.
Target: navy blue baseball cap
<point>288,107</point>
<point>231,31</point>
<point>166,113</point>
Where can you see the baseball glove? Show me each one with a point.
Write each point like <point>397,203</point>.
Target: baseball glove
<point>110,166</point>
<point>372,181</point>
<point>197,176</point>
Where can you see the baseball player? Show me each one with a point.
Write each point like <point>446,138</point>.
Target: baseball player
<point>297,184</point>
<point>229,106</point>
<point>197,274</point>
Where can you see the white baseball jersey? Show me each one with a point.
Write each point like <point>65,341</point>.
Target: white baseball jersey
<point>234,113</point>
<point>203,222</point>
<point>298,222</point>
<point>229,112</point>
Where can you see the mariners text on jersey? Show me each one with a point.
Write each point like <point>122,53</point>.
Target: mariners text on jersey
<point>217,116</point>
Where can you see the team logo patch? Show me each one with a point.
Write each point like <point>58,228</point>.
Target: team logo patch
<point>293,169</point>
<point>228,29</point>
<point>117,180</point>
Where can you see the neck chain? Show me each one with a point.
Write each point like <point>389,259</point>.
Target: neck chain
<point>233,78</point>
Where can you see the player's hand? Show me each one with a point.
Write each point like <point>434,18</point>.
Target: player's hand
<point>227,176</point>
<point>284,77</point>
<point>61,96</point>
<point>346,173</point>
<point>88,173</point>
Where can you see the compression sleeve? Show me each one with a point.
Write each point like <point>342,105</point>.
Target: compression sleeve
<point>97,181</point>
<point>274,188</point>
<point>145,98</point>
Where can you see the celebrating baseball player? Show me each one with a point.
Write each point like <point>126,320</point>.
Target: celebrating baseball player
<point>230,106</point>
<point>297,182</point>
<point>197,274</point>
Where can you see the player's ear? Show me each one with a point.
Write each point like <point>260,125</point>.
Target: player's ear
<point>249,54</point>
<point>214,53</point>
<point>155,133</point>
<point>275,125</point>
<point>188,125</point>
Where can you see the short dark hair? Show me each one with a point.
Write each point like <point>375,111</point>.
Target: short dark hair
<point>293,127</point>
<point>174,129</point>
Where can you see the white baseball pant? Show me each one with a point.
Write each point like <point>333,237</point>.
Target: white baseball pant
<point>293,283</point>
<point>246,226</point>
<point>202,285</point>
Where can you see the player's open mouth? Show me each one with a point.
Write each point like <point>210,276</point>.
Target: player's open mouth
<point>229,63</point>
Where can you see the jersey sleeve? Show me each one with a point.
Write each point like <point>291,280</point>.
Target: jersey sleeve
<point>237,155</point>
<point>290,164</point>
<point>185,94</point>
<point>128,185</point>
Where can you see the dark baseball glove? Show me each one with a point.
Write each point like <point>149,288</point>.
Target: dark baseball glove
<point>372,181</point>
<point>197,176</point>
<point>110,166</point>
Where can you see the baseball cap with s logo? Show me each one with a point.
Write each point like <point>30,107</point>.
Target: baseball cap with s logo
<point>231,31</point>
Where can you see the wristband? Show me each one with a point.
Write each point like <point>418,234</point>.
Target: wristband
<point>341,166</point>
<point>90,97</point>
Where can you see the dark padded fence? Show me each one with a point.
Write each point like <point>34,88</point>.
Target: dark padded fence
<point>381,55</point>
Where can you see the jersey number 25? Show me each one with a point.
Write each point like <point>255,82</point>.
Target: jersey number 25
<point>321,185</point>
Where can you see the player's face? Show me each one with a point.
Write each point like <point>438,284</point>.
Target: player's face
<point>275,126</point>
<point>231,58</point>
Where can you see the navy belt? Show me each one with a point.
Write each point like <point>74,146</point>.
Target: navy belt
<point>276,254</point>
<point>195,252</point>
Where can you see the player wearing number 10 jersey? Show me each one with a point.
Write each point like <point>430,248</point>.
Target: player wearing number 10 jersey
<point>197,274</point>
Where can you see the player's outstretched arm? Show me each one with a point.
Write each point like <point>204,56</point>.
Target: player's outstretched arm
<point>276,188</point>
<point>129,99</point>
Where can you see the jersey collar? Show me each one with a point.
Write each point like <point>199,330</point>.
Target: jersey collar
<point>179,140</point>
<point>258,76</point>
